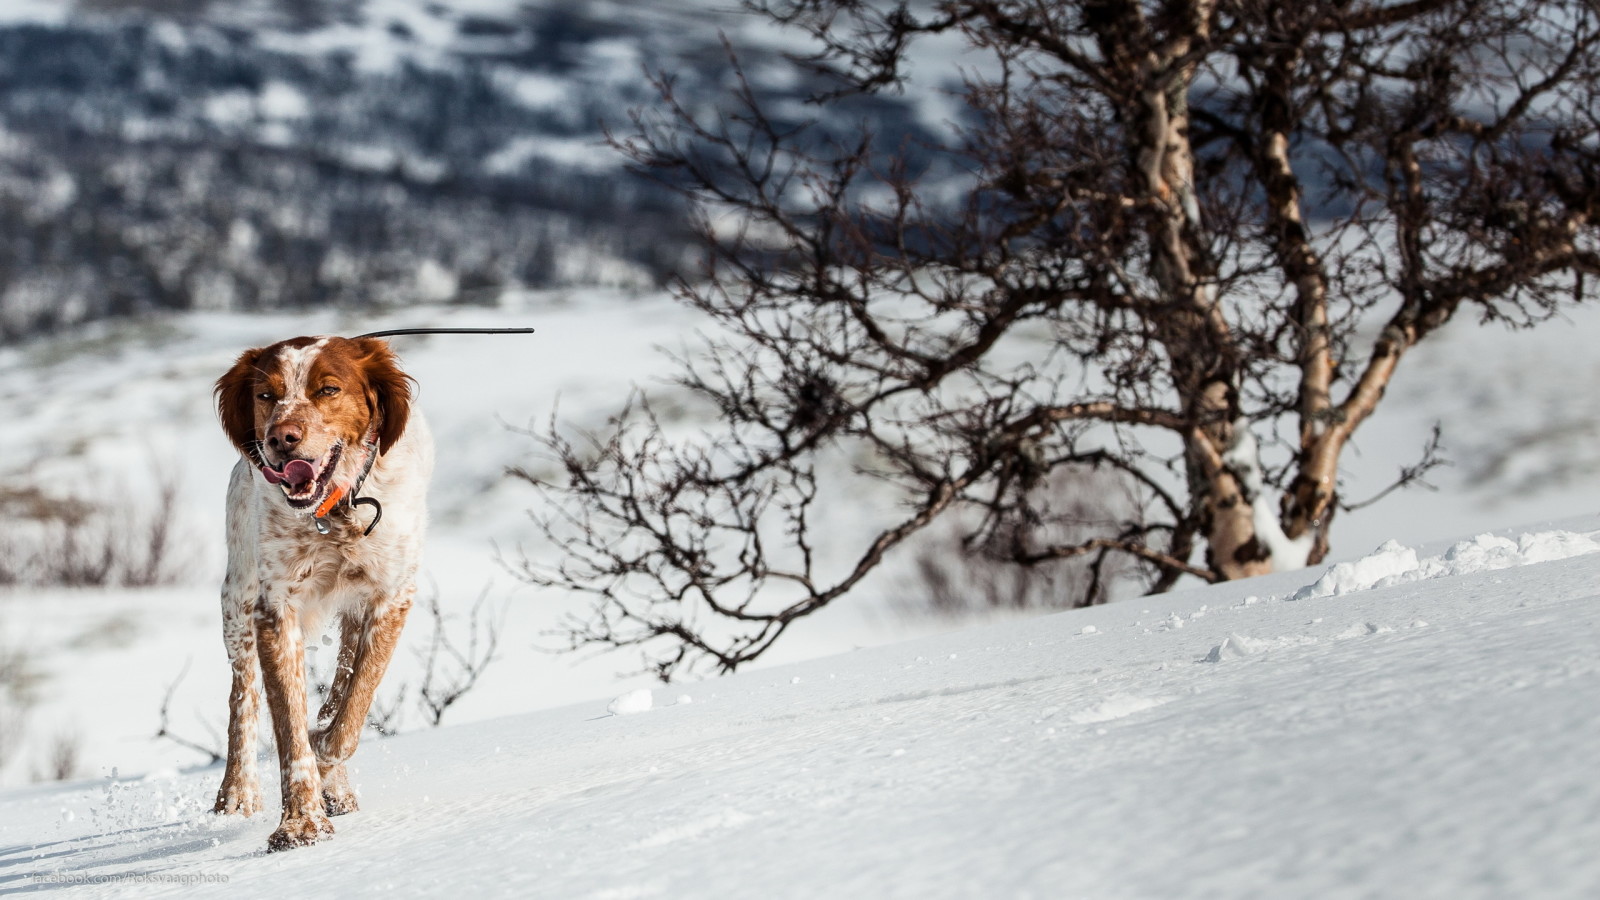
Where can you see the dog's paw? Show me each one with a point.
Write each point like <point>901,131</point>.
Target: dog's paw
<point>237,800</point>
<point>300,831</point>
<point>338,797</point>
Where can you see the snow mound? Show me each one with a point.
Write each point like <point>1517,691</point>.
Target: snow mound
<point>1237,646</point>
<point>1116,707</point>
<point>1393,563</point>
<point>1362,629</point>
<point>632,702</point>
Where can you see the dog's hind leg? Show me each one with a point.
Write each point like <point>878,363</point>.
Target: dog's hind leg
<point>338,797</point>
<point>375,637</point>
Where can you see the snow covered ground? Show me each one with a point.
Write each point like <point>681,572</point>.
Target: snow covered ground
<point>1432,738</point>
<point>1431,734</point>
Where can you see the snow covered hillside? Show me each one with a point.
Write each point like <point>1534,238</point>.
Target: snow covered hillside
<point>1435,737</point>
<point>96,413</point>
<point>244,155</point>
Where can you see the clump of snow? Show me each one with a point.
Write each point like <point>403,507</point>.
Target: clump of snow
<point>1548,546</point>
<point>1237,646</point>
<point>632,702</point>
<point>1393,563</point>
<point>1383,565</point>
<point>1115,707</point>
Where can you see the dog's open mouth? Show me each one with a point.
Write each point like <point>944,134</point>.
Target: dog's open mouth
<point>305,481</point>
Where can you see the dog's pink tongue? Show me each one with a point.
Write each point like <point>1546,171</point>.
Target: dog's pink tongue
<point>298,472</point>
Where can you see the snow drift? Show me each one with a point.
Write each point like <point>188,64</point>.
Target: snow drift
<point>1434,737</point>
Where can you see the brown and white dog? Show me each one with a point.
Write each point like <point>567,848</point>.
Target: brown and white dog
<point>316,420</point>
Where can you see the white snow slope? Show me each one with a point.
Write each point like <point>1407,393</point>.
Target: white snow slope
<point>1436,737</point>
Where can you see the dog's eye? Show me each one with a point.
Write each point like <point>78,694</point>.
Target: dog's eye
<point>266,395</point>
<point>329,390</point>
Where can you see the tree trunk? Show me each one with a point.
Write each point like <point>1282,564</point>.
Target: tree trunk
<point>1188,321</point>
<point>1227,512</point>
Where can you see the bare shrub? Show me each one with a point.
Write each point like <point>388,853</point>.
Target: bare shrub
<point>452,663</point>
<point>10,572</point>
<point>149,560</point>
<point>62,757</point>
<point>19,681</point>
<point>48,540</point>
<point>78,554</point>
<point>386,718</point>
<point>164,730</point>
<point>960,568</point>
<point>450,670</point>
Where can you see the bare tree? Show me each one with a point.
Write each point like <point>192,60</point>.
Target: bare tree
<point>1183,242</point>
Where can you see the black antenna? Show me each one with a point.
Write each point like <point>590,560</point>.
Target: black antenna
<point>398,331</point>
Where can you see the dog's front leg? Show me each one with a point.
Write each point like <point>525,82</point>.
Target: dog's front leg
<point>282,650</point>
<point>241,788</point>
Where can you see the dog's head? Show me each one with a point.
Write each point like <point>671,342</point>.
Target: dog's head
<point>302,408</point>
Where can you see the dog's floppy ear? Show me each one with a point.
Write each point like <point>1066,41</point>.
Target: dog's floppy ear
<point>235,393</point>
<point>388,390</point>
